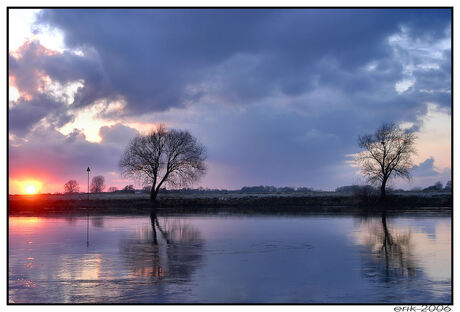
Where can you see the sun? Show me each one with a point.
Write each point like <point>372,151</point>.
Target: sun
<point>30,189</point>
<point>28,186</point>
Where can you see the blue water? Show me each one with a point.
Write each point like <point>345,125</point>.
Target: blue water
<point>230,259</point>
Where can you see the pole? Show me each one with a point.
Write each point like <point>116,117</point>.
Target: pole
<point>87,216</point>
<point>88,170</point>
<point>87,229</point>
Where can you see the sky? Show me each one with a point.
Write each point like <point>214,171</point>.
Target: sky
<point>278,96</point>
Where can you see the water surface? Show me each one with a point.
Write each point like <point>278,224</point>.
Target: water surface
<point>230,259</point>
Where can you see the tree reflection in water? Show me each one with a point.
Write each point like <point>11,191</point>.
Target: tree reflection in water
<point>170,249</point>
<point>391,251</point>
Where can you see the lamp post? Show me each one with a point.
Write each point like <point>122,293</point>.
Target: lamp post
<point>88,170</point>
<point>87,216</point>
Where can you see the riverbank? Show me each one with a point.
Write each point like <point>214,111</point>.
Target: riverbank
<point>51,205</point>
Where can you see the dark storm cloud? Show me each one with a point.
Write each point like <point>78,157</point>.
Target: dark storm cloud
<point>25,114</point>
<point>150,57</point>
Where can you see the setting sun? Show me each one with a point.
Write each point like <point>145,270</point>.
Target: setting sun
<point>27,186</point>
<point>30,189</point>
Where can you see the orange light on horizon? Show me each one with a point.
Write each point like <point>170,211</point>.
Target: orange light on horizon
<point>29,186</point>
<point>30,189</point>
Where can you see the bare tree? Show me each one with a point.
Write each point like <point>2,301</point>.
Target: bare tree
<point>387,154</point>
<point>97,184</point>
<point>172,157</point>
<point>71,187</point>
<point>113,189</point>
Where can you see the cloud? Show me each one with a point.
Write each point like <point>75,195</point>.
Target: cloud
<point>152,57</point>
<point>117,134</point>
<point>425,174</point>
<point>55,158</point>
<point>279,96</point>
<point>25,114</point>
<point>424,169</point>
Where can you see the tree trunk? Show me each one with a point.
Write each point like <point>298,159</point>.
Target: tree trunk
<point>153,194</point>
<point>153,198</point>
<point>383,189</point>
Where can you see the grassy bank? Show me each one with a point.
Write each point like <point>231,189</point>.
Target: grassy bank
<point>44,205</point>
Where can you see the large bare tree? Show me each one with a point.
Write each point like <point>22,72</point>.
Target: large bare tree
<point>71,187</point>
<point>387,154</point>
<point>164,156</point>
<point>97,184</point>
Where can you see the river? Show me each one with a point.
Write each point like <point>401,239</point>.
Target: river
<point>226,258</point>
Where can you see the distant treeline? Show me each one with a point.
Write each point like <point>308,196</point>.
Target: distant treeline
<point>261,189</point>
<point>361,190</point>
<point>369,189</point>
<point>269,189</point>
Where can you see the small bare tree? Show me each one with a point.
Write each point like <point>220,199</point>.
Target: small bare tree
<point>71,187</point>
<point>387,154</point>
<point>172,157</point>
<point>97,184</point>
<point>113,189</point>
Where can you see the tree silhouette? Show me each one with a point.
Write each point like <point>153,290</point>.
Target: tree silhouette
<point>97,184</point>
<point>71,187</point>
<point>387,153</point>
<point>172,157</point>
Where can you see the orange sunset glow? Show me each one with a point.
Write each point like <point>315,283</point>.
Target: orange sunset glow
<point>28,187</point>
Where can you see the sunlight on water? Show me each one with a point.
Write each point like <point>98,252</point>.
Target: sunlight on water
<point>232,259</point>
